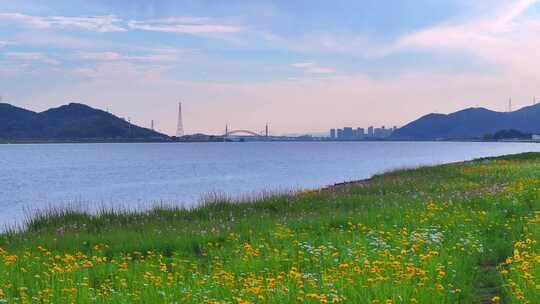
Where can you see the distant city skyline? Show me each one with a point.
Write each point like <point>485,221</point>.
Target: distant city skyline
<point>303,66</point>
<point>350,133</point>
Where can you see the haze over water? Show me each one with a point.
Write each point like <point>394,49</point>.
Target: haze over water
<point>141,175</point>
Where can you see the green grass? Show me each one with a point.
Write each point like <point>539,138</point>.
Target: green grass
<point>457,233</point>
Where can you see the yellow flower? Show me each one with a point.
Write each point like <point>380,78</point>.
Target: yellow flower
<point>88,264</point>
<point>123,267</point>
<point>10,259</point>
<point>313,296</point>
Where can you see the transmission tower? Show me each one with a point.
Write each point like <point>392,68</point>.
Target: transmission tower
<point>180,126</point>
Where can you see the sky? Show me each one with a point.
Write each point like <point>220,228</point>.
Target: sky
<point>300,66</point>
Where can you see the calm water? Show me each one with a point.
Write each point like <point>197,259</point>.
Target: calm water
<point>140,175</point>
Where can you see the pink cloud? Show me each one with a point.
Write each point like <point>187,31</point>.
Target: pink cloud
<point>31,56</point>
<point>313,68</point>
<point>109,23</point>
<point>187,25</point>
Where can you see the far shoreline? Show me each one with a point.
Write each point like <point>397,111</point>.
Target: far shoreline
<point>116,141</point>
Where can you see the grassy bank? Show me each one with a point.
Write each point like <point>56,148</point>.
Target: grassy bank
<point>458,233</point>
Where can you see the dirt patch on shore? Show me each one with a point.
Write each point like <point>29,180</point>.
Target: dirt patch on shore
<point>347,185</point>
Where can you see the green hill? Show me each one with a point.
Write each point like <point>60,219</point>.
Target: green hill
<point>471,123</point>
<point>68,122</point>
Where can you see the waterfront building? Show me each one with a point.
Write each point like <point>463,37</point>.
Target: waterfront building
<point>333,133</point>
<point>370,132</point>
<point>348,133</point>
<point>360,132</point>
<point>340,133</point>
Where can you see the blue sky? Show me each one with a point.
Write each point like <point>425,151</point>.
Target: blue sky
<point>300,65</point>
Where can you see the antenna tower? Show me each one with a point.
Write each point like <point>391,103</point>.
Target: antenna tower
<point>180,126</point>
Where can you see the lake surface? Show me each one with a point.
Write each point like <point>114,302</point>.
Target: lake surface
<point>141,175</point>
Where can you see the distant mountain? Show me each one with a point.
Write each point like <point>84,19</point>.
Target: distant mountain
<point>69,122</point>
<point>471,123</point>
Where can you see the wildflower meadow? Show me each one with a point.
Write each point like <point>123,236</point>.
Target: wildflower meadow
<point>457,233</point>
